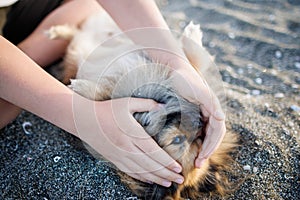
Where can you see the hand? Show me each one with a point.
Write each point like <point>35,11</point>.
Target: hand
<point>192,86</point>
<point>121,140</point>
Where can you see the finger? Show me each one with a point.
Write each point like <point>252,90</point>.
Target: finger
<point>150,179</point>
<point>155,152</point>
<point>122,115</point>
<point>141,105</point>
<point>145,174</point>
<point>214,136</point>
<point>197,90</point>
<point>212,106</point>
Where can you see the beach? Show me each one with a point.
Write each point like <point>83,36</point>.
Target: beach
<point>256,48</point>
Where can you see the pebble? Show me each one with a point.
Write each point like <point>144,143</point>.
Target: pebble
<point>291,124</point>
<point>255,92</point>
<point>257,142</point>
<point>249,66</point>
<point>279,95</point>
<point>247,168</point>
<point>25,127</point>
<point>295,108</point>
<point>278,54</point>
<point>231,35</point>
<point>267,105</point>
<point>255,169</point>
<point>297,65</point>
<point>295,86</point>
<point>240,71</point>
<point>56,158</point>
<point>272,17</point>
<point>131,198</point>
<point>258,81</point>
<point>287,132</point>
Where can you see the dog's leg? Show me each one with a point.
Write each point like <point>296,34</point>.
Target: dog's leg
<point>192,46</point>
<point>66,32</point>
<point>84,88</point>
<point>99,91</point>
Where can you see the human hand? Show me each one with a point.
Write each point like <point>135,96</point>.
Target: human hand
<point>120,139</point>
<point>192,86</point>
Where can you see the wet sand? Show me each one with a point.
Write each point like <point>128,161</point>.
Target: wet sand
<point>256,44</point>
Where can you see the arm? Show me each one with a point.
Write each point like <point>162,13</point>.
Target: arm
<point>25,84</point>
<point>139,14</point>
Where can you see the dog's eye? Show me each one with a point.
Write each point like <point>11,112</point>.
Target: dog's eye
<point>178,139</point>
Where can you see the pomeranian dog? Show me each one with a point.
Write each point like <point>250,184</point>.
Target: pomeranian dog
<point>179,128</point>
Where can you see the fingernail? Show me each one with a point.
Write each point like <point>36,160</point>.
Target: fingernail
<point>200,163</point>
<point>219,115</point>
<point>166,183</point>
<point>160,106</point>
<point>177,169</point>
<point>179,181</point>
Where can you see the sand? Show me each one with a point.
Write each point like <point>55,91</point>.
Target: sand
<point>256,44</point>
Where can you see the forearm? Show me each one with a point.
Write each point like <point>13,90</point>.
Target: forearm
<point>25,84</point>
<point>151,30</point>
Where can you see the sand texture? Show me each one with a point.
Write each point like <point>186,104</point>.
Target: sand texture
<point>256,44</point>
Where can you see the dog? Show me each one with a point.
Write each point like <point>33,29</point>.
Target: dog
<point>179,128</point>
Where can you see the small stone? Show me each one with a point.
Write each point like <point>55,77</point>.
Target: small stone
<point>255,169</point>
<point>258,81</point>
<point>231,35</point>
<point>56,158</point>
<point>255,92</point>
<point>278,54</point>
<point>267,105</point>
<point>247,168</point>
<point>295,108</point>
<point>291,124</point>
<point>297,65</point>
<point>274,72</point>
<point>295,86</point>
<point>287,132</point>
<point>26,127</point>
<point>279,95</point>
<point>249,66</point>
<point>272,17</point>
<point>240,71</point>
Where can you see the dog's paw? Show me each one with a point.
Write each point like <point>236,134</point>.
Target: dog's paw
<point>61,32</point>
<point>192,31</point>
<point>85,88</point>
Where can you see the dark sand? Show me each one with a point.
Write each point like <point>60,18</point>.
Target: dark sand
<point>257,48</point>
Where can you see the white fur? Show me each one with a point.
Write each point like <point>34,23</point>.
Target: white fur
<point>96,47</point>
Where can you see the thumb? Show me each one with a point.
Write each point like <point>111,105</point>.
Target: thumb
<point>142,105</point>
<point>123,110</point>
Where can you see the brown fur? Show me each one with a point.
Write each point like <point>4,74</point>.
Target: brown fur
<point>210,178</point>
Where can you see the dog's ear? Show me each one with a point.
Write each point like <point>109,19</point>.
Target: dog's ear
<point>153,122</point>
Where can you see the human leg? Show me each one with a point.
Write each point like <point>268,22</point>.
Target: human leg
<point>45,51</point>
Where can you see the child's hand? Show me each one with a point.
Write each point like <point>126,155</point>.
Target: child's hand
<point>110,128</point>
<point>194,88</point>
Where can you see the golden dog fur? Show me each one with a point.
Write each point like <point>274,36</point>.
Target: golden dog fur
<point>178,128</point>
